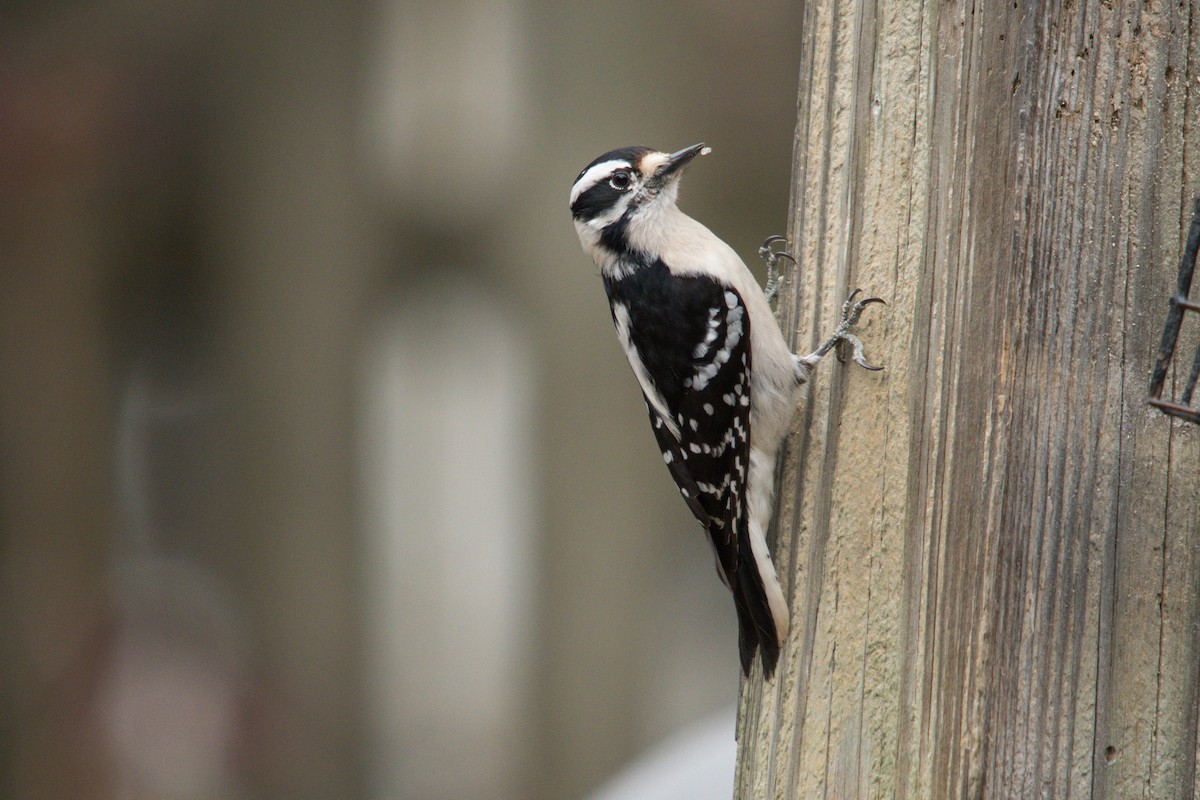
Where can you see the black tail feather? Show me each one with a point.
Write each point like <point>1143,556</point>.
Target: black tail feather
<point>747,633</point>
<point>756,626</point>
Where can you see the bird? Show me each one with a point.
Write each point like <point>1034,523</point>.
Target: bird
<point>719,381</point>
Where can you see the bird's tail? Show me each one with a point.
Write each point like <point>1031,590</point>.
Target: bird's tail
<point>761,608</point>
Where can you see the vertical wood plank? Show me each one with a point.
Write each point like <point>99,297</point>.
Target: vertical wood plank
<point>992,546</point>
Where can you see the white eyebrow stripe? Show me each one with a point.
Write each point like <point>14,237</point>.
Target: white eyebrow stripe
<point>594,175</point>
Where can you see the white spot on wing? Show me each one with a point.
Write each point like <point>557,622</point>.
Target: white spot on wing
<point>705,374</point>
<point>733,335</point>
<point>709,334</point>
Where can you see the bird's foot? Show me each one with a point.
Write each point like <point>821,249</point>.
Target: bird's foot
<point>772,257</point>
<point>842,336</point>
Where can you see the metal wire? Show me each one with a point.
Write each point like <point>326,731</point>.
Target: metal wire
<point>1166,349</point>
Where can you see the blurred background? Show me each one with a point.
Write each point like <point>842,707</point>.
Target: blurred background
<point>322,474</point>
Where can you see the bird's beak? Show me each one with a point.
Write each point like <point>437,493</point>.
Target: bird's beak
<point>676,162</point>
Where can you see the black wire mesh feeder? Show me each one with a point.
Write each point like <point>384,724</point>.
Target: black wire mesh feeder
<point>1180,305</point>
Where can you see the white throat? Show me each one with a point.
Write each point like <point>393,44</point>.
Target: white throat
<point>651,230</point>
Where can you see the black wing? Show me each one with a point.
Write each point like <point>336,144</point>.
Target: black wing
<point>688,339</point>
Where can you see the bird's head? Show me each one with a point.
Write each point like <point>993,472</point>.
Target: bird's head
<point>625,192</point>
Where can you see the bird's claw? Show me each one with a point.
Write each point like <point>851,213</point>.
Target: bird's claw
<point>764,249</point>
<point>774,279</point>
<point>851,311</point>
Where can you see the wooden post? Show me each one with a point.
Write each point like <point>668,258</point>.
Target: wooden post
<point>992,548</point>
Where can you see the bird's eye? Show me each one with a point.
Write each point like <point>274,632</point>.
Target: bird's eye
<point>620,181</point>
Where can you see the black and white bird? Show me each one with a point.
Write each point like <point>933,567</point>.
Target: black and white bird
<point>720,383</point>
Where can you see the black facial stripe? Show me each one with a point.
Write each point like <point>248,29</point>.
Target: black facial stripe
<point>602,196</point>
<point>595,201</point>
<point>613,238</point>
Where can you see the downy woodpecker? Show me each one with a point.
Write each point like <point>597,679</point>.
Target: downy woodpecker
<point>720,383</point>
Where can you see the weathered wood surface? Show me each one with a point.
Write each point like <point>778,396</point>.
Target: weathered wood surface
<point>992,548</point>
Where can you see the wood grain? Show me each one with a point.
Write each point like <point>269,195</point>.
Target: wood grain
<point>992,548</point>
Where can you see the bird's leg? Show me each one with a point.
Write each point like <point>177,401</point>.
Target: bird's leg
<point>841,335</point>
<point>774,278</point>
